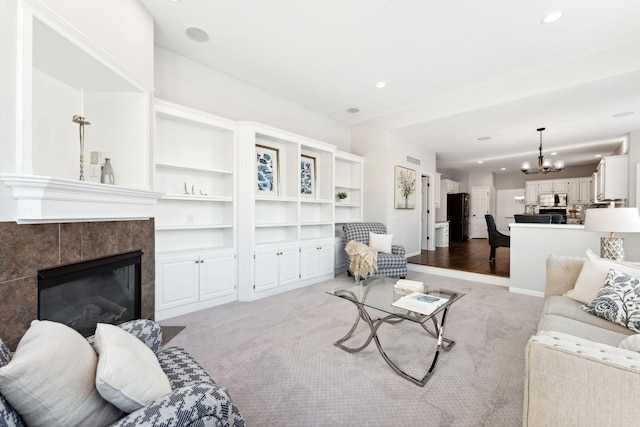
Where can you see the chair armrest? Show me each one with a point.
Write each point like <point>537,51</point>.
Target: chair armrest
<point>202,404</point>
<point>398,250</point>
<point>573,381</point>
<point>147,331</point>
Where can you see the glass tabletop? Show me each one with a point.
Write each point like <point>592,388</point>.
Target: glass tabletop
<point>379,293</point>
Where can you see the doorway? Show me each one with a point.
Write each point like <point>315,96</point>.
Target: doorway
<point>424,217</point>
<point>479,208</point>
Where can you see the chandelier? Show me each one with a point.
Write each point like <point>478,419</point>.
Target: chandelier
<point>544,166</point>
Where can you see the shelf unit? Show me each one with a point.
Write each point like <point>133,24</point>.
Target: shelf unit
<point>279,220</point>
<point>195,157</point>
<point>349,169</point>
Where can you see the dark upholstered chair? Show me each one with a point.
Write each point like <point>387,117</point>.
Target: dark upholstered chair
<point>537,219</point>
<point>390,265</point>
<point>556,219</point>
<point>496,238</point>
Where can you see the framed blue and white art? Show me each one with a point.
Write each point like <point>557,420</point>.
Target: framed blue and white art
<point>267,170</point>
<point>307,176</point>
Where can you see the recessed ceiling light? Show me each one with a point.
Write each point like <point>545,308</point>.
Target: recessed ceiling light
<point>480,162</point>
<point>353,110</point>
<point>484,138</point>
<point>552,17</point>
<point>555,153</point>
<point>380,85</point>
<point>175,1</point>
<point>503,169</point>
<point>597,156</point>
<point>623,114</point>
<point>197,34</point>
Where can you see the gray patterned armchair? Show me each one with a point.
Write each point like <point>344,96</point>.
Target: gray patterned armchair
<point>195,399</point>
<point>390,265</point>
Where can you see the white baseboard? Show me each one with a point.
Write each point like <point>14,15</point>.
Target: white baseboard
<point>527,292</point>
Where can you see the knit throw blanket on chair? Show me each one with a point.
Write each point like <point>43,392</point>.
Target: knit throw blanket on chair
<point>364,259</point>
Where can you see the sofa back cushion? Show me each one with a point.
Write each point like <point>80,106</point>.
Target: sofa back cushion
<point>593,274</point>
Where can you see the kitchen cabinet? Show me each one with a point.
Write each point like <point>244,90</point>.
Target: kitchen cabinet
<point>436,186</point>
<point>531,192</point>
<point>442,234</point>
<point>612,178</point>
<point>449,186</point>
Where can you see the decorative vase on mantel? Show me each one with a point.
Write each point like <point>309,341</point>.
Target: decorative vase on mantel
<point>106,177</point>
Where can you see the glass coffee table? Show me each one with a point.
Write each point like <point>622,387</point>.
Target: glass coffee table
<point>379,294</point>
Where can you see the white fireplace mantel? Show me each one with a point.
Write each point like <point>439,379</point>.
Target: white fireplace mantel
<point>33,199</point>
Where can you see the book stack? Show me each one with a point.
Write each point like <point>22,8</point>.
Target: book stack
<point>409,285</point>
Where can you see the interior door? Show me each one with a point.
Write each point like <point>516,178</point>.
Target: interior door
<point>479,208</point>
<point>424,217</point>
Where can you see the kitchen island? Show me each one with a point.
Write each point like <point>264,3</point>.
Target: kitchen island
<point>532,244</point>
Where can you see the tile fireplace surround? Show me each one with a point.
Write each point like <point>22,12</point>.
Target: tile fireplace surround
<point>26,248</point>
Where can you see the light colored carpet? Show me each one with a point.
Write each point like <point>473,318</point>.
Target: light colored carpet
<point>277,359</point>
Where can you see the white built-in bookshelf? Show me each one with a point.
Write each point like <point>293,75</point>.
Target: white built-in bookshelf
<point>289,232</point>
<point>349,170</point>
<point>194,166</point>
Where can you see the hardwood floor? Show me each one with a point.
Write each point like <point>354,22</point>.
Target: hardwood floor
<point>472,255</point>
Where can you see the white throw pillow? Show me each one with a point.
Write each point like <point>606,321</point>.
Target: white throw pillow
<point>632,342</point>
<point>129,374</point>
<point>380,242</point>
<point>50,380</point>
<point>593,274</point>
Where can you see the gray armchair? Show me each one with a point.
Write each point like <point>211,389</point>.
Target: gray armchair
<point>195,398</point>
<point>390,265</point>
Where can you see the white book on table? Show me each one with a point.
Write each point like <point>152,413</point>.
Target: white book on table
<point>420,303</point>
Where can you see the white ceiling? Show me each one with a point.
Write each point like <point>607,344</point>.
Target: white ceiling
<point>327,55</point>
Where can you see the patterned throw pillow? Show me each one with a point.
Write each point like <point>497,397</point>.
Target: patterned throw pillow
<point>618,300</point>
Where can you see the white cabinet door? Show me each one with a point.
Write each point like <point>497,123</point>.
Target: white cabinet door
<point>309,263</point>
<point>560,186</point>
<point>266,270</point>
<point>573,195</point>
<point>545,187</point>
<point>289,266</point>
<point>531,192</point>
<point>325,258</point>
<point>176,282</point>
<point>586,190</point>
<point>217,276</point>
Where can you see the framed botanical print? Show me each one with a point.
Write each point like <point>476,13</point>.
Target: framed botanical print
<point>307,176</point>
<point>267,170</point>
<point>405,188</point>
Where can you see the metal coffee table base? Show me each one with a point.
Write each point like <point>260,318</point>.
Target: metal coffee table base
<point>443,343</point>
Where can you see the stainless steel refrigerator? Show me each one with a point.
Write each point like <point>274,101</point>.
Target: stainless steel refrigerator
<point>458,216</point>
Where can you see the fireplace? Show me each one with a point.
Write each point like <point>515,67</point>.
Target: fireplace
<point>83,294</point>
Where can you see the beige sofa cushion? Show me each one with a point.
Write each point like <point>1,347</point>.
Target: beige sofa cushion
<point>593,274</point>
<point>563,314</point>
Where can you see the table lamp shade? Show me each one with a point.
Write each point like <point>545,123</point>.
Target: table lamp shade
<point>612,220</point>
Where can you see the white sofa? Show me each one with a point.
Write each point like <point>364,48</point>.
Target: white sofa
<point>575,374</point>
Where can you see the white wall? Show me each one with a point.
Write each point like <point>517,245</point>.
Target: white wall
<point>532,244</point>
<point>186,82</point>
<point>634,159</point>
<point>123,28</point>
<point>383,150</point>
